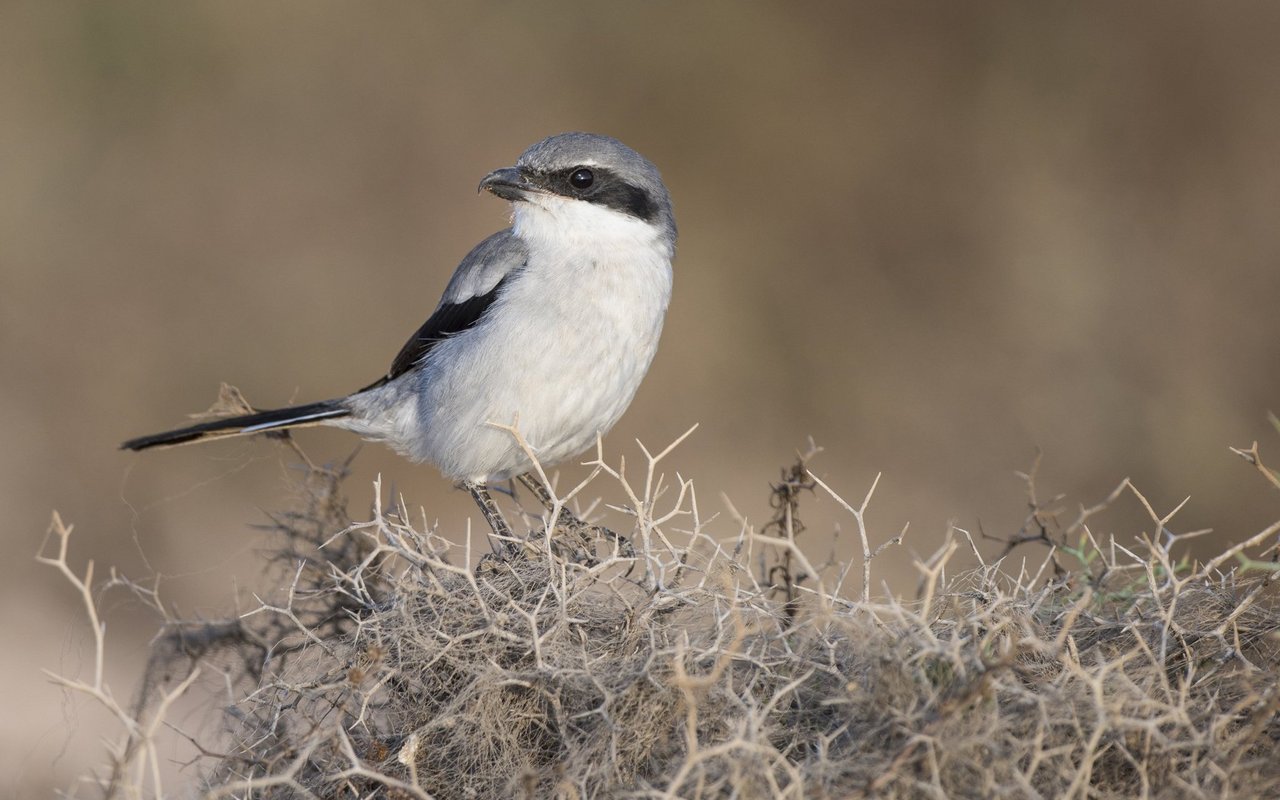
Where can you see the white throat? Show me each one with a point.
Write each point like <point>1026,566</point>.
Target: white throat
<point>551,221</point>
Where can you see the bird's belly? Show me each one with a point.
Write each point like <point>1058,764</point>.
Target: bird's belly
<point>559,372</point>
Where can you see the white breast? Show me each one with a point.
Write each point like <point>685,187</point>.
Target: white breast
<point>560,354</point>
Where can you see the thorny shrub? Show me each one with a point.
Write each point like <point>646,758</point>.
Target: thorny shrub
<point>676,663</point>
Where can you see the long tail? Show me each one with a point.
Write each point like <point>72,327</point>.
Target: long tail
<point>278,419</point>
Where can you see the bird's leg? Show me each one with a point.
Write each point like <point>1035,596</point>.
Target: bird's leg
<point>492,515</point>
<point>583,531</point>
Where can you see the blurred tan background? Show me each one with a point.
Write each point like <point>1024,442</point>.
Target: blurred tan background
<point>934,236</point>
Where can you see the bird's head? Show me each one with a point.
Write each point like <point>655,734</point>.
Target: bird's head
<point>585,184</point>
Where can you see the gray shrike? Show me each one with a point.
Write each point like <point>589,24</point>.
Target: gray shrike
<point>548,325</point>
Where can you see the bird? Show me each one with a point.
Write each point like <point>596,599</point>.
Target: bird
<point>546,327</point>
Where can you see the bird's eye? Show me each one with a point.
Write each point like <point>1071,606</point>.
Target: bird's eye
<point>582,178</point>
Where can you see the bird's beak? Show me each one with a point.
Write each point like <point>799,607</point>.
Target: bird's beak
<point>509,183</point>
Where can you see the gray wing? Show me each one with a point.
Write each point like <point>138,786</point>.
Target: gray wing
<point>474,287</point>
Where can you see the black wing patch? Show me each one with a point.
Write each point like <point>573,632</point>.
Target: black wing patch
<point>449,319</point>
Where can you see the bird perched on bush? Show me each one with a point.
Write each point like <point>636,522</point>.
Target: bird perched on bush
<point>547,326</point>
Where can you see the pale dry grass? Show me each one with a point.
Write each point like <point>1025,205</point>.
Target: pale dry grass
<point>400,664</point>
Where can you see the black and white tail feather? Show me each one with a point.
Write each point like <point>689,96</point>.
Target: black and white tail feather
<point>257,422</point>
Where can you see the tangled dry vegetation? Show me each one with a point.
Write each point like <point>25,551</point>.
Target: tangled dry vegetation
<point>686,664</point>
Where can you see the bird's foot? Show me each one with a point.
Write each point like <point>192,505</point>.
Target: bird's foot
<point>581,536</point>
<point>497,523</point>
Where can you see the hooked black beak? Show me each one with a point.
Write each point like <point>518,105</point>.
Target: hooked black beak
<point>508,183</point>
